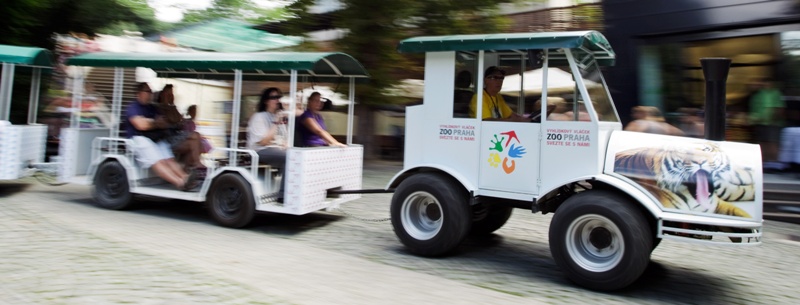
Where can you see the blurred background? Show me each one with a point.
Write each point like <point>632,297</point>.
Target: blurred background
<point>658,44</point>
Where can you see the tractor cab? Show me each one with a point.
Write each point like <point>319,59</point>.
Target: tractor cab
<point>563,137</point>
<point>525,120</point>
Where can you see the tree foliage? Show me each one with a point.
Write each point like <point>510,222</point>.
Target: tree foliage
<point>32,22</point>
<point>375,28</point>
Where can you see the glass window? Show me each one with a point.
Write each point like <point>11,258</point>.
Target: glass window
<point>598,93</point>
<point>564,101</point>
<point>464,84</point>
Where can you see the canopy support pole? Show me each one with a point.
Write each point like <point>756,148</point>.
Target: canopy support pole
<point>292,107</point>
<point>235,111</point>
<point>77,98</point>
<point>116,105</point>
<point>6,86</point>
<point>521,99</point>
<point>350,110</point>
<point>33,102</point>
<point>479,87</point>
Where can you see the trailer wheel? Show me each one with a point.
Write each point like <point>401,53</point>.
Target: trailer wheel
<point>430,214</point>
<point>111,189</point>
<point>600,240</point>
<point>230,201</point>
<point>495,218</point>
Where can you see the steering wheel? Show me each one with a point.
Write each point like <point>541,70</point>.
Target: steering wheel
<point>537,118</point>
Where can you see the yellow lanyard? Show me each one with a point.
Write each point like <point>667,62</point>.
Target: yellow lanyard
<point>495,108</point>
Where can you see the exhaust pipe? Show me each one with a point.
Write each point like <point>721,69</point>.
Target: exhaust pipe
<point>715,71</point>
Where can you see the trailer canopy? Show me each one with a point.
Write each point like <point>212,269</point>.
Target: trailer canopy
<point>27,56</point>
<point>30,59</point>
<point>254,65</point>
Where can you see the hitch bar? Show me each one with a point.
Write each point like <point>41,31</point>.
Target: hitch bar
<point>364,191</point>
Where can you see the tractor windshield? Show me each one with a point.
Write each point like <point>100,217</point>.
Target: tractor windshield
<point>598,93</point>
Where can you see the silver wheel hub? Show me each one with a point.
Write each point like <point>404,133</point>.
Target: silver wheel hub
<point>421,215</point>
<point>595,243</point>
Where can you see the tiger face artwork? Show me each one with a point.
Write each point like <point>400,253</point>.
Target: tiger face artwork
<point>698,178</point>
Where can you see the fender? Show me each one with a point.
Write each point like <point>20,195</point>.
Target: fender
<point>257,189</point>
<point>636,192</point>
<point>130,170</point>
<point>405,173</point>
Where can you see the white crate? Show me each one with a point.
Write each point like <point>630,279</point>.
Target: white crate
<point>75,150</point>
<point>21,145</point>
<point>310,172</point>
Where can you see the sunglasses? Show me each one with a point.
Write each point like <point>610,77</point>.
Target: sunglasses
<point>496,77</point>
<point>274,97</point>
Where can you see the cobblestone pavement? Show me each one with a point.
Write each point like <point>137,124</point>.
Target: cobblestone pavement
<point>57,248</point>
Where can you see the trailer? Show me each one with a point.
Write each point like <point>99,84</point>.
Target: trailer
<point>614,194</point>
<point>22,147</point>
<point>236,185</point>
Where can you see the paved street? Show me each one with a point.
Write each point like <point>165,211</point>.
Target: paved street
<point>57,248</point>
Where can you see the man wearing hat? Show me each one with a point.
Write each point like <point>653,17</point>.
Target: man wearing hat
<point>494,106</point>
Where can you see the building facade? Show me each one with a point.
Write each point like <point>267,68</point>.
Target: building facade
<point>659,44</point>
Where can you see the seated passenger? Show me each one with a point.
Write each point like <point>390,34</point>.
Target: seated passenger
<point>494,106</point>
<point>311,125</point>
<point>146,128</point>
<point>266,133</point>
<point>185,145</point>
<point>190,126</point>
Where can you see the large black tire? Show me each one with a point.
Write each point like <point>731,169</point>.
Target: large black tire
<point>601,240</point>
<point>230,201</point>
<point>430,214</point>
<point>495,218</point>
<point>111,189</point>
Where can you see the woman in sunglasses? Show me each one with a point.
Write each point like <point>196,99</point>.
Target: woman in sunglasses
<point>494,106</point>
<point>266,132</point>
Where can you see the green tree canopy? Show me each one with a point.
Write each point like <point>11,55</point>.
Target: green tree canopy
<point>32,22</point>
<point>375,27</point>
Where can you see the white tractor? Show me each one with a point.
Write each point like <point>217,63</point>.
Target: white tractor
<point>614,194</point>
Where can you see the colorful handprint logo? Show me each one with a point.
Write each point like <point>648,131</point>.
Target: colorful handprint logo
<point>515,151</point>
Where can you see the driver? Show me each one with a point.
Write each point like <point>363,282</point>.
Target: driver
<point>494,106</point>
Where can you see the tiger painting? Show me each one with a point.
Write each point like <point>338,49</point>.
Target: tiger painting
<point>696,178</point>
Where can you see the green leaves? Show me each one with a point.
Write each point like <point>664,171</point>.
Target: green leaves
<point>32,22</point>
<point>375,27</point>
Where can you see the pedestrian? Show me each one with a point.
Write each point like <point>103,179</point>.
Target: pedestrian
<point>767,118</point>
<point>649,119</point>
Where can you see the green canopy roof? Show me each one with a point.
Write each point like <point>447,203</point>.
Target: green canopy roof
<point>29,56</point>
<point>591,41</point>
<point>254,66</point>
<point>226,35</point>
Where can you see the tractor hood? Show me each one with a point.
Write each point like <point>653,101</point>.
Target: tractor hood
<point>690,175</point>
